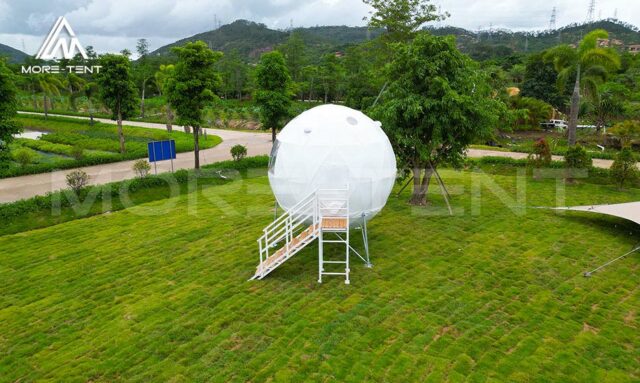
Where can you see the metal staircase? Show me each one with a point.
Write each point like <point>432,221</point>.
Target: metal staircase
<point>320,214</point>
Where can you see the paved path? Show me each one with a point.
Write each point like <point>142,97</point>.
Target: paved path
<point>477,153</point>
<point>257,143</point>
<point>13,189</point>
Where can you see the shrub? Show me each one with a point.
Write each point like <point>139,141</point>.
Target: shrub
<point>576,158</point>
<point>624,167</point>
<point>24,156</point>
<point>626,131</point>
<point>238,152</point>
<point>541,154</point>
<point>142,168</point>
<point>77,180</point>
<point>77,152</point>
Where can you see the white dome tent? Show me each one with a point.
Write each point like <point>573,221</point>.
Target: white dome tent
<point>331,168</point>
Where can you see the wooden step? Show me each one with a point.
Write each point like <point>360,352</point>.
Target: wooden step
<point>334,223</point>
<point>295,243</point>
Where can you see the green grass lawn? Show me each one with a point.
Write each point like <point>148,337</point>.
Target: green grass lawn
<point>159,292</point>
<point>99,143</point>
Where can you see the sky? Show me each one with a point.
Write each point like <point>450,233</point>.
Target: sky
<point>112,25</point>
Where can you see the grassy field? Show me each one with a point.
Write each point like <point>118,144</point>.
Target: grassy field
<point>99,144</point>
<point>158,292</point>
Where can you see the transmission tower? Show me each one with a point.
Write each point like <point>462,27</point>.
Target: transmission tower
<point>592,9</point>
<point>552,21</point>
<point>615,14</point>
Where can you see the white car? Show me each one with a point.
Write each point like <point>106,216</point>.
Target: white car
<point>554,124</point>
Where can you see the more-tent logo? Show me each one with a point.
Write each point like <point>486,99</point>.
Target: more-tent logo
<point>56,42</point>
<point>61,39</point>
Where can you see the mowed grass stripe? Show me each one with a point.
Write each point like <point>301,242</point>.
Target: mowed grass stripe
<point>159,292</point>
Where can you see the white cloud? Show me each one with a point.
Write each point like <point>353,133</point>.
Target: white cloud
<point>108,23</point>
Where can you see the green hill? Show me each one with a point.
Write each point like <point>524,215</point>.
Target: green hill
<point>14,55</point>
<point>251,39</point>
<point>486,44</point>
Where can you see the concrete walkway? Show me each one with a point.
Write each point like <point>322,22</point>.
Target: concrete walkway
<point>257,143</point>
<point>16,188</point>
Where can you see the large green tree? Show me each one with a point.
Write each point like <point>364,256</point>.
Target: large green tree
<point>191,88</point>
<point>540,81</point>
<point>589,64</point>
<point>8,107</point>
<point>437,103</point>
<point>117,90</point>
<point>273,91</point>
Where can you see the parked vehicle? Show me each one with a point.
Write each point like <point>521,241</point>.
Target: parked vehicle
<point>554,124</point>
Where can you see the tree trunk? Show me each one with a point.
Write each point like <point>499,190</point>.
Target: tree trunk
<point>120,133</point>
<point>45,106</point>
<point>420,186</point>
<point>273,134</point>
<point>169,119</point>
<point>35,100</point>
<point>142,99</point>
<point>573,112</point>
<point>196,146</point>
<point>90,111</point>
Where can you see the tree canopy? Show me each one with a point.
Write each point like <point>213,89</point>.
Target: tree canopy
<point>437,103</point>
<point>8,107</point>
<point>273,92</point>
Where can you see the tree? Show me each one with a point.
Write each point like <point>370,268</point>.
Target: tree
<point>627,132</point>
<point>163,77</point>
<point>50,86</point>
<point>295,55</point>
<point>77,180</point>
<point>588,62</point>
<point>117,90</point>
<point>608,103</point>
<point>540,81</point>
<point>234,74</point>
<point>75,86</point>
<point>90,91</point>
<point>362,83</point>
<point>192,86</point>
<point>437,104</point>
<point>143,70</point>
<point>331,76</point>
<point>8,107</point>
<point>401,18</point>
<point>624,167</point>
<point>273,94</point>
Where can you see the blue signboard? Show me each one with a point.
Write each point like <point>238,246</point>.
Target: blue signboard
<point>162,150</point>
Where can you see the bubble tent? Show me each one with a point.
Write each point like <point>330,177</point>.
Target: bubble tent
<point>333,147</point>
<point>331,170</point>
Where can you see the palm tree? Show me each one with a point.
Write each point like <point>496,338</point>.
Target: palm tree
<point>589,63</point>
<point>75,86</point>
<point>90,91</point>
<point>49,85</point>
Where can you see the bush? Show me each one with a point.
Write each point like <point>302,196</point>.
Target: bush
<point>77,180</point>
<point>624,167</point>
<point>24,156</point>
<point>576,158</point>
<point>541,154</point>
<point>238,152</point>
<point>142,168</point>
<point>77,152</point>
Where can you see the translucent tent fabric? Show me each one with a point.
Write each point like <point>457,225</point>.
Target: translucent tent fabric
<point>333,147</point>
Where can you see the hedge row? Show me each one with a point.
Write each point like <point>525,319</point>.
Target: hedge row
<point>211,172</point>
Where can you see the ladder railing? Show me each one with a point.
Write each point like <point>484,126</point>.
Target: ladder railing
<point>286,226</point>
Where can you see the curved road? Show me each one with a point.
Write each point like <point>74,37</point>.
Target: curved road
<point>16,188</point>
<point>257,143</point>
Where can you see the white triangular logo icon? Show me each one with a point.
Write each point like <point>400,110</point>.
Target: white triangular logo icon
<point>55,42</point>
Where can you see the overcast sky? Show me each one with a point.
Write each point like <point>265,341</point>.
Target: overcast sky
<point>111,25</point>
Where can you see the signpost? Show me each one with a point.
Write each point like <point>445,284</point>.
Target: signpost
<point>161,151</point>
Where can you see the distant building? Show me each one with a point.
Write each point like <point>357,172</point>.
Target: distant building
<point>634,49</point>
<point>617,42</point>
<point>602,43</point>
<point>339,54</point>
